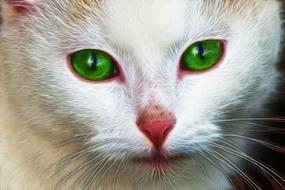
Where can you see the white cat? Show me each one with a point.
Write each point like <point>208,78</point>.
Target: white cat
<point>132,94</point>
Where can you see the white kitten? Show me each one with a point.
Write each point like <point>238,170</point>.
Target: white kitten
<point>148,117</point>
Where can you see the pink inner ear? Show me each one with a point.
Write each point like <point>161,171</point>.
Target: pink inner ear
<point>22,7</point>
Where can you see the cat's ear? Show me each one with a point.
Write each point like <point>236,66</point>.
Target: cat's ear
<point>19,7</point>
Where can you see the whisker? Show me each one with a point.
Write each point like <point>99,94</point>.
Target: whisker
<point>217,166</point>
<point>247,127</point>
<point>169,180</point>
<point>117,173</point>
<point>230,164</point>
<point>75,171</point>
<point>100,157</point>
<point>105,172</point>
<point>203,169</point>
<point>228,143</point>
<point>74,156</point>
<point>77,138</point>
<point>267,144</point>
<point>252,119</point>
<point>262,125</point>
<point>261,166</point>
<point>94,172</point>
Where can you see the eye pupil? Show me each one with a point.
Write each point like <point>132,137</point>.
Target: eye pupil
<point>93,62</point>
<point>201,51</point>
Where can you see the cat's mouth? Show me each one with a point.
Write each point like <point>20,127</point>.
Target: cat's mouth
<point>159,160</point>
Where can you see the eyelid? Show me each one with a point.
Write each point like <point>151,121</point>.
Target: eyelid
<point>190,43</point>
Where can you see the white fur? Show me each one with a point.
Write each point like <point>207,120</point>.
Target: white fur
<point>44,104</point>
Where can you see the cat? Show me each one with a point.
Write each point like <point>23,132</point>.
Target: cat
<point>130,94</point>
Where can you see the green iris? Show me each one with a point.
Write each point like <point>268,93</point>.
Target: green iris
<point>202,55</point>
<point>94,65</point>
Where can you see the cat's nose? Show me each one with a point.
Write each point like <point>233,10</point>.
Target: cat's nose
<point>157,131</point>
<point>156,126</point>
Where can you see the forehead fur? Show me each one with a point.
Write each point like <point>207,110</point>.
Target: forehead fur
<point>232,7</point>
<point>81,10</point>
<point>218,5</point>
<point>90,4</point>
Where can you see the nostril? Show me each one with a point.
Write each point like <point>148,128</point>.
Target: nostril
<point>147,133</point>
<point>167,131</point>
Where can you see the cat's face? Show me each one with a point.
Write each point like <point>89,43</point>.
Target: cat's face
<point>147,40</point>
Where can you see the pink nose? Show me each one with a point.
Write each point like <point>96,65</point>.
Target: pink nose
<point>157,130</point>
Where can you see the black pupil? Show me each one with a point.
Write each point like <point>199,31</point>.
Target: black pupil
<point>94,60</point>
<point>201,51</point>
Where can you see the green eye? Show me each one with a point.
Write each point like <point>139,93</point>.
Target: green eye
<point>93,65</point>
<point>202,55</point>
